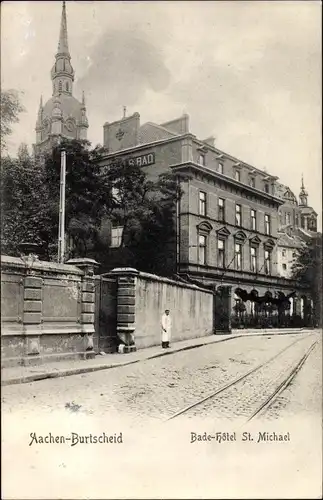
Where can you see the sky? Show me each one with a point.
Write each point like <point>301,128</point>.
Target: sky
<point>246,72</point>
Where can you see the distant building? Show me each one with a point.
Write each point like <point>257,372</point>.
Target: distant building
<point>293,213</point>
<point>288,247</point>
<point>297,224</point>
<point>227,220</point>
<point>62,115</point>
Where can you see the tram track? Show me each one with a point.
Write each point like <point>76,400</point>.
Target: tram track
<point>279,386</point>
<point>288,379</point>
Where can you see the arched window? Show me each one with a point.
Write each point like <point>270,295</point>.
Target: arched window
<point>66,86</point>
<point>60,86</point>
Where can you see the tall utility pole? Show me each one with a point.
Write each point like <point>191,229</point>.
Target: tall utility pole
<point>61,224</point>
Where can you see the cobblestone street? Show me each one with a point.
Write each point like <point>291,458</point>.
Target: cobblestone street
<point>159,387</point>
<point>136,400</point>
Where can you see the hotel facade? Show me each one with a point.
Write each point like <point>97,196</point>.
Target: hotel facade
<point>237,227</point>
<point>228,228</point>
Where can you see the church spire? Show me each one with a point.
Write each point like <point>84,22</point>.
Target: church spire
<point>63,41</point>
<point>40,114</point>
<point>303,194</point>
<point>62,72</point>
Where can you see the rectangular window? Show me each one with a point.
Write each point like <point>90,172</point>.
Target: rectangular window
<point>253,259</point>
<point>202,249</point>
<point>267,262</point>
<point>221,206</point>
<point>287,218</point>
<point>238,256</point>
<point>238,215</point>
<point>201,159</point>
<point>115,192</point>
<point>221,253</point>
<point>284,267</point>
<point>220,168</point>
<point>266,187</point>
<point>237,175</point>
<point>284,253</point>
<point>252,182</point>
<point>253,219</point>
<point>116,236</point>
<point>202,203</point>
<point>267,224</point>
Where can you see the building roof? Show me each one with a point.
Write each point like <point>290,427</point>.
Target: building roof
<point>70,106</point>
<point>151,132</point>
<point>285,193</point>
<point>306,234</point>
<point>307,210</point>
<point>290,241</point>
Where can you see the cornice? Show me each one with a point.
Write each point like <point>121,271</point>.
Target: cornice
<point>190,165</point>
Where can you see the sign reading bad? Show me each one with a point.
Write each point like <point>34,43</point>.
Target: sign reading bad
<point>141,161</point>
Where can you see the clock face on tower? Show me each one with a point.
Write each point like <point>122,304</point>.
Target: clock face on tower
<point>69,125</point>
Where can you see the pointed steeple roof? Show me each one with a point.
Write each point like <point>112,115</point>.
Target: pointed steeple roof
<point>303,194</point>
<point>63,39</point>
<point>62,72</point>
<point>40,114</point>
<point>40,109</point>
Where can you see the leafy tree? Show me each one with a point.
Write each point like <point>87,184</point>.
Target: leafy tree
<point>30,202</point>
<point>307,270</point>
<point>10,107</point>
<point>146,210</point>
<point>23,197</point>
<point>86,195</point>
<point>96,197</point>
<point>306,267</point>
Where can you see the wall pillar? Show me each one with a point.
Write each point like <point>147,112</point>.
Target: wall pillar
<point>298,306</point>
<point>87,302</point>
<point>223,309</point>
<point>32,315</point>
<point>126,300</point>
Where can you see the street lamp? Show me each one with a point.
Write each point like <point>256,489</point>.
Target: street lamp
<point>61,223</point>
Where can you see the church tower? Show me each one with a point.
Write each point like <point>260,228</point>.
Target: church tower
<point>62,115</point>
<point>303,195</point>
<point>308,214</point>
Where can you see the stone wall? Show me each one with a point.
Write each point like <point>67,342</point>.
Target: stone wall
<point>47,310</point>
<point>191,309</point>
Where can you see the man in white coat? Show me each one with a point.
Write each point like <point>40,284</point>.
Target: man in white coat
<point>166,324</point>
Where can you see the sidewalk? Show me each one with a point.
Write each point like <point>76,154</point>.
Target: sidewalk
<point>25,374</point>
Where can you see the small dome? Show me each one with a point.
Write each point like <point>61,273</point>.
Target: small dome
<point>69,107</point>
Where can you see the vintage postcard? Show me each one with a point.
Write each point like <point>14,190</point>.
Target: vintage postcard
<point>161,249</point>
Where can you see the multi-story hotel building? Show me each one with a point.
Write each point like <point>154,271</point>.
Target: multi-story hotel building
<point>228,217</point>
<point>235,223</point>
